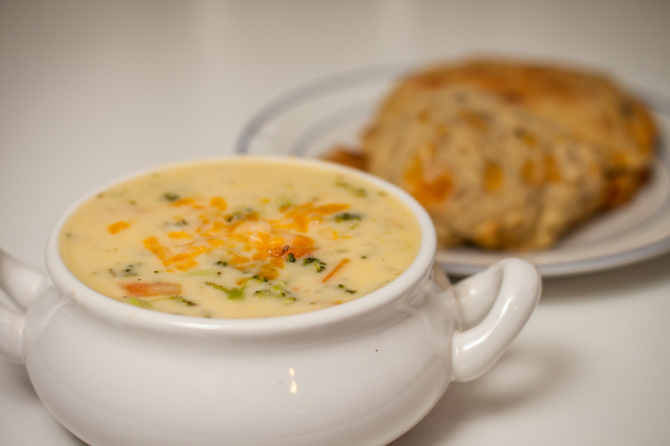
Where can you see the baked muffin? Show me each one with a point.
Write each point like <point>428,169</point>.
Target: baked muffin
<point>507,155</point>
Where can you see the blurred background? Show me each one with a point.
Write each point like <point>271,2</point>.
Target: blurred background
<point>166,78</point>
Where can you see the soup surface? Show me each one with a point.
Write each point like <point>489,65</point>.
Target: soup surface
<point>240,238</point>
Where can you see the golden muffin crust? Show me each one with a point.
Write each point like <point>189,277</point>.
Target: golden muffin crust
<point>508,155</point>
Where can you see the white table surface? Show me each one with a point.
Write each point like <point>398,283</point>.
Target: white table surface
<point>92,90</point>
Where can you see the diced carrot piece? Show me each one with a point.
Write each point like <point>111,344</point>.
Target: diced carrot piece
<point>142,289</point>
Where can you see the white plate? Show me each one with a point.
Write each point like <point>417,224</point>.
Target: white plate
<point>333,111</point>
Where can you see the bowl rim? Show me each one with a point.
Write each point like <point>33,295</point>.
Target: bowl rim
<point>112,310</point>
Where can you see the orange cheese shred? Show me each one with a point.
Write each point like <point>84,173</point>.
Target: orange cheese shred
<point>183,202</point>
<point>263,242</point>
<point>218,202</point>
<point>335,270</point>
<point>327,209</point>
<point>178,234</point>
<point>117,227</point>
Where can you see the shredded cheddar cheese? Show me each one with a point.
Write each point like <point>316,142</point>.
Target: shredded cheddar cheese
<point>208,240</point>
<point>115,228</point>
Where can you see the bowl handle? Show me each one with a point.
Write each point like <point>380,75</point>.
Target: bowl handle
<point>495,304</point>
<point>23,284</point>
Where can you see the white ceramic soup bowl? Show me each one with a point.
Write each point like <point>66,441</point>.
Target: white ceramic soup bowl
<point>361,373</point>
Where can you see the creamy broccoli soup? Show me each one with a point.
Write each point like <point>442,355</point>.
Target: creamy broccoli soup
<point>240,238</point>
